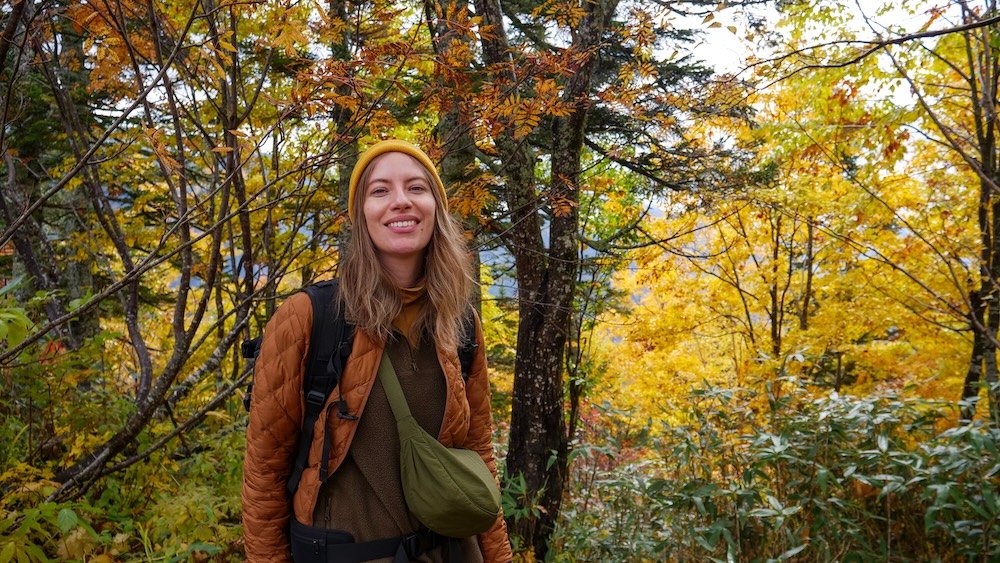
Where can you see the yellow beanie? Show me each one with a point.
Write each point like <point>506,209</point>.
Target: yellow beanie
<point>393,145</point>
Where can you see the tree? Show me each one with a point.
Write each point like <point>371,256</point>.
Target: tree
<point>563,78</point>
<point>971,72</point>
<point>951,71</point>
<point>191,177</point>
<point>835,254</point>
<point>546,274</point>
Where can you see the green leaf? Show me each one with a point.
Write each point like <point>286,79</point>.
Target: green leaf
<point>791,510</point>
<point>991,501</point>
<point>14,325</point>
<point>982,512</point>
<point>16,334</point>
<point>8,553</point>
<point>700,504</point>
<point>823,478</point>
<point>67,520</point>
<point>13,285</point>
<point>36,552</point>
<point>207,548</point>
<point>704,543</point>
<point>930,518</point>
<point>791,552</point>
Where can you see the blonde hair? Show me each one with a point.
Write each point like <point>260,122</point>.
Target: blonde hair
<point>447,273</point>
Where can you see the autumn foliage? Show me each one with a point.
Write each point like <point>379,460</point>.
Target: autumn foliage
<point>744,313</point>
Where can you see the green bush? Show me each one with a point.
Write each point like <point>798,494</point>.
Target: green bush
<point>782,474</point>
<point>182,504</point>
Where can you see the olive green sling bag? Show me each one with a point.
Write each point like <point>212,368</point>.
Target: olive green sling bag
<point>450,490</point>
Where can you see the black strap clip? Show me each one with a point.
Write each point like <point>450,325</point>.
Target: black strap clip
<point>413,545</point>
<point>342,411</point>
<point>315,399</point>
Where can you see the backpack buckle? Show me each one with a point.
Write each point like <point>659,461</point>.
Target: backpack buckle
<point>411,544</point>
<point>247,396</point>
<point>250,348</point>
<point>315,398</point>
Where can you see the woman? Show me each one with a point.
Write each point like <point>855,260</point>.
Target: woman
<point>405,283</point>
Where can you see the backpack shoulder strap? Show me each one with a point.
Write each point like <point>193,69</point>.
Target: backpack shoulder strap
<point>329,346</point>
<point>467,347</point>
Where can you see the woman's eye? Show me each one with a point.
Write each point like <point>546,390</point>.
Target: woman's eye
<point>418,188</point>
<point>377,191</point>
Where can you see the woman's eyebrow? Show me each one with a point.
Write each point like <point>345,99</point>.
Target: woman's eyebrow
<point>406,180</point>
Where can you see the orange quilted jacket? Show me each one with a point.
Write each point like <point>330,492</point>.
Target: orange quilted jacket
<point>276,418</point>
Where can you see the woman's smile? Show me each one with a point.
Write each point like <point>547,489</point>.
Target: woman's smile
<point>402,225</point>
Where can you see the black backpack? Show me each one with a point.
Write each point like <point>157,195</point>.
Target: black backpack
<point>329,346</point>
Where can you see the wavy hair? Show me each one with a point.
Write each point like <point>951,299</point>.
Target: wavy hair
<point>447,274</point>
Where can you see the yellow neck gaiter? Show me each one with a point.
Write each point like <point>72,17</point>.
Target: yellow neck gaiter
<point>414,299</point>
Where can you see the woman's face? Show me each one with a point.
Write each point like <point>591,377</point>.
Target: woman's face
<point>399,208</point>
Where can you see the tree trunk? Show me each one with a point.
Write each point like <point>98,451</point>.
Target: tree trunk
<point>809,259</point>
<point>970,389</point>
<point>454,129</point>
<point>546,277</point>
<point>536,417</point>
<point>347,129</point>
<point>776,305</point>
<point>993,302</point>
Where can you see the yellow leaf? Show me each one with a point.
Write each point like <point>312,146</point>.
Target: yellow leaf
<point>222,150</point>
<point>219,415</point>
<point>322,14</point>
<point>227,46</point>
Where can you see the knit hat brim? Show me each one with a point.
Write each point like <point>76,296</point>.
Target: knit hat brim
<point>393,145</point>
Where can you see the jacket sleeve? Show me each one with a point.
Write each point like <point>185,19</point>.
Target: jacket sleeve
<point>494,543</point>
<point>275,423</point>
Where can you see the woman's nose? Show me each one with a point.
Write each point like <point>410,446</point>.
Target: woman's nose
<point>400,198</point>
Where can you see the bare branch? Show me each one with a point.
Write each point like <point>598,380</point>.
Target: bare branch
<point>872,46</point>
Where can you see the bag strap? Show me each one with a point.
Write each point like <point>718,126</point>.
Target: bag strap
<point>393,391</point>
<point>250,349</point>
<point>467,348</point>
<point>387,373</point>
<point>329,345</point>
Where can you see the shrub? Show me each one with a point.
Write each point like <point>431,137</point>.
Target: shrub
<point>783,474</point>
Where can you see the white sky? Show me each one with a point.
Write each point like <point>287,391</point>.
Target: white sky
<point>728,52</point>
